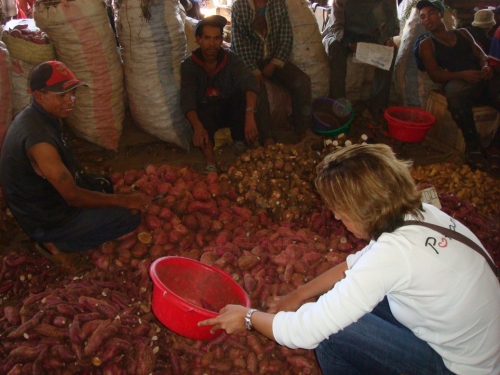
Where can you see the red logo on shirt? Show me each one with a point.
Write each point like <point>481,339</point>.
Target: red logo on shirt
<point>443,243</point>
<point>213,91</point>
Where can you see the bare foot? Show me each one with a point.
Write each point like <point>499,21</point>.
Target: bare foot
<point>52,248</point>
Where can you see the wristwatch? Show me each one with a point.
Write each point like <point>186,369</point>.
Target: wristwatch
<point>248,322</point>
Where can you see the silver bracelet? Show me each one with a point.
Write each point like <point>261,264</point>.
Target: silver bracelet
<point>248,321</point>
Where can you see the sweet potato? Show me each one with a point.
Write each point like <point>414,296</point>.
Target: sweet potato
<point>96,338</point>
<point>51,331</point>
<point>63,352</point>
<point>11,313</point>
<point>255,345</point>
<point>212,177</point>
<point>89,328</point>
<point>299,361</point>
<point>111,348</point>
<point>74,332</point>
<point>25,353</point>
<point>224,366</point>
<point>16,370</point>
<point>145,359</point>
<point>25,327</point>
<point>139,250</point>
<point>246,263</point>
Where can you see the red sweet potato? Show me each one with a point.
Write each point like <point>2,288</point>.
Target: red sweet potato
<point>25,327</point>
<point>152,222</point>
<point>25,353</point>
<point>145,359</point>
<point>11,313</point>
<point>247,262</point>
<point>96,338</point>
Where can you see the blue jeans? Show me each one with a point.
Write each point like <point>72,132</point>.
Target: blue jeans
<point>90,228</point>
<point>378,344</point>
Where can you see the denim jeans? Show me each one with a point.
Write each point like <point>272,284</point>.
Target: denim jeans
<point>378,344</point>
<point>90,228</point>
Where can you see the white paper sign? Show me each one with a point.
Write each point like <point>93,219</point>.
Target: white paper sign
<point>374,54</point>
<point>430,196</point>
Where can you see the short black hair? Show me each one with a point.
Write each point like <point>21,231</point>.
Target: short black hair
<point>213,21</point>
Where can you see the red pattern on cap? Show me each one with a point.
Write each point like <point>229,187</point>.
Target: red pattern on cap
<point>59,74</point>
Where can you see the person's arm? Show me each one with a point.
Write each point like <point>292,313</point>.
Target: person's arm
<point>232,317</point>
<point>189,89</point>
<point>486,70</point>
<point>200,135</point>
<point>251,132</point>
<point>241,37</point>
<point>440,75</point>
<point>232,320</point>
<point>314,288</point>
<point>47,162</point>
<point>284,39</point>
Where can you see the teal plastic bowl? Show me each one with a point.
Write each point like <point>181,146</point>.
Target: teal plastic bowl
<point>326,122</point>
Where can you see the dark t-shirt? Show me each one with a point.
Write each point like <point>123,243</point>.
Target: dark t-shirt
<point>458,57</point>
<point>33,201</point>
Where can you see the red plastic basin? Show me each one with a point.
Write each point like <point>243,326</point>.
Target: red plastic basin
<point>408,124</point>
<point>186,292</point>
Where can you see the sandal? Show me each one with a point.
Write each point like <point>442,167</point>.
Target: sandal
<point>476,160</point>
<point>42,250</point>
<point>210,168</point>
<point>494,163</point>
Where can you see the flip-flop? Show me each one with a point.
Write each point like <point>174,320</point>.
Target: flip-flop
<point>494,163</point>
<point>476,160</point>
<point>40,247</point>
<point>210,168</point>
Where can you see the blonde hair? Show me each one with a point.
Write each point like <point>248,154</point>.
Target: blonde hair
<point>370,185</point>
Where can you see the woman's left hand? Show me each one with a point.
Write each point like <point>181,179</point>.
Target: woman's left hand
<point>231,319</point>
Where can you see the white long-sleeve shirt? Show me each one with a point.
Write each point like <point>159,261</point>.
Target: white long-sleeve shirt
<point>445,293</point>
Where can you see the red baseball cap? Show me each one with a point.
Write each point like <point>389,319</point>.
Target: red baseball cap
<point>53,76</point>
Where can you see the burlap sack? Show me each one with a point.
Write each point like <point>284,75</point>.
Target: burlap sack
<point>5,90</point>
<point>85,42</point>
<point>308,52</point>
<point>153,45</point>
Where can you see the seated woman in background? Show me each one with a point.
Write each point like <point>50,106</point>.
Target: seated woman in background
<point>411,302</point>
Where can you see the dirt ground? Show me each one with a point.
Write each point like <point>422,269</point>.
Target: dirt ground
<point>137,149</point>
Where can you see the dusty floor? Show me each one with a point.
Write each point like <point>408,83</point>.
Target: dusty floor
<point>138,149</point>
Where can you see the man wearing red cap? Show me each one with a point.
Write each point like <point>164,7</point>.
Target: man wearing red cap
<point>451,57</point>
<point>44,185</point>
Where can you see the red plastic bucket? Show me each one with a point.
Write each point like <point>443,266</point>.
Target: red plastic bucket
<point>186,292</point>
<point>408,124</point>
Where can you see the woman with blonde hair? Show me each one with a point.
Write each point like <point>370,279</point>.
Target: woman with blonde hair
<point>411,302</point>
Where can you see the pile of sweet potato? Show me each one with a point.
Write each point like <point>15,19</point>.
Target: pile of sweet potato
<point>476,187</point>
<point>24,33</point>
